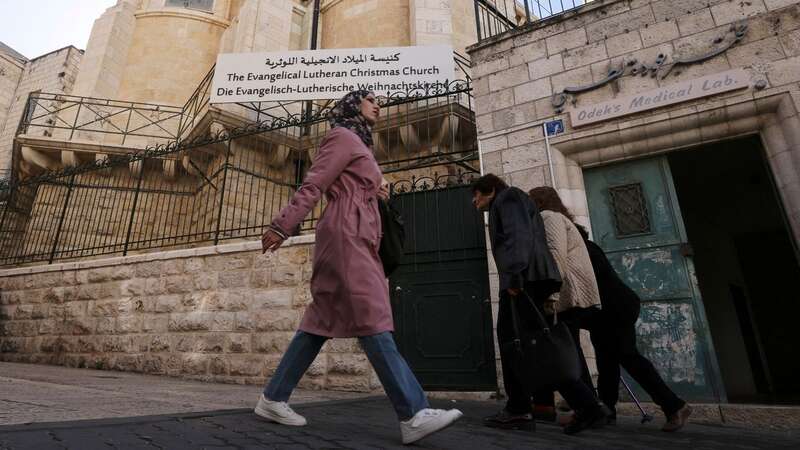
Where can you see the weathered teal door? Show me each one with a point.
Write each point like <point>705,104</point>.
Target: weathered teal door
<point>440,293</point>
<point>636,219</point>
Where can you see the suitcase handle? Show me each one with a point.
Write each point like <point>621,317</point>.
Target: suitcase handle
<point>515,318</point>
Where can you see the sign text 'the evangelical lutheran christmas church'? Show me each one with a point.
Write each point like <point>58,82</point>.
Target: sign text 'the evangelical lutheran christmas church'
<point>330,74</point>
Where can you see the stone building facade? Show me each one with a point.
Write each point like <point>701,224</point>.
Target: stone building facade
<point>13,64</point>
<point>53,72</point>
<point>167,312</point>
<point>152,55</point>
<point>674,137</point>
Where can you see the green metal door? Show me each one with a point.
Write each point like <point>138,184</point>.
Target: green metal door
<point>440,293</point>
<point>636,219</point>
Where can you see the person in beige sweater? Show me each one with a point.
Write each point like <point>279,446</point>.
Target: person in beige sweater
<point>578,302</point>
<point>526,269</point>
<point>579,288</point>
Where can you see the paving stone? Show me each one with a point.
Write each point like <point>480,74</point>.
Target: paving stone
<point>368,424</point>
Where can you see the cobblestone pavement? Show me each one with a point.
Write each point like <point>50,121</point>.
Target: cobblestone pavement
<point>364,424</point>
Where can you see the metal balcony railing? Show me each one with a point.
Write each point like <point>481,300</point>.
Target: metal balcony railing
<point>202,188</point>
<point>72,117</point>
<point>495,17</point>
<point>67,116</point>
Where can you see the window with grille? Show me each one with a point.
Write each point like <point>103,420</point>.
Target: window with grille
<point>203,5</point>
<point>629,209</point>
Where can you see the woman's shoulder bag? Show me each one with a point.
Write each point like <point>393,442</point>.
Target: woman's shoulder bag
<point>545,357</point>
<point>394,236</point>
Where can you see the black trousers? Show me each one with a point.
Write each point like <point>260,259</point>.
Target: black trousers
<point>576,320</point>
<point>615,345</point>
<point>579,395</point>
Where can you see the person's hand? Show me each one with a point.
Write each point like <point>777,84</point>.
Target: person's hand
<point>270,241</point>
<point>514,291</point>
<point>383,192</point>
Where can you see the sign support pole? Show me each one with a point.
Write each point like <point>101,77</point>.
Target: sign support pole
<point>312,46</point>
<point>549,155</point>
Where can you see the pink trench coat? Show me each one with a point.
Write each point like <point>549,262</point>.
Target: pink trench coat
<point>349,289</point>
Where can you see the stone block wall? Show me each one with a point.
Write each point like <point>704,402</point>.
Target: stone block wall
<point>464,32</point>
<point>515,75</point>
<point>431,22</point>
<point>11,70</point>
<point>188,43</point>
<point>365,23</point>
<point>55,73</point>
<point>259,26</point>
<point>223,314</point>
<point>106,53</point>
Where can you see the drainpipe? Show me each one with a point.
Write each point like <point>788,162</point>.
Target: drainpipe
<point>480,157</point>
<point>314,25</point>
<point>312,46</point>
<point>549,155</point>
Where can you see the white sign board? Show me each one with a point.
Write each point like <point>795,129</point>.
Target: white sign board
<point>329,74</point>
<point>668,95</point>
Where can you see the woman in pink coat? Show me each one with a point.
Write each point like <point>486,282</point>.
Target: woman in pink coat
<point>349,289</point>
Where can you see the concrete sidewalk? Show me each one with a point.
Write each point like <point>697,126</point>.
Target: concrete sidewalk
<point>40,393</point>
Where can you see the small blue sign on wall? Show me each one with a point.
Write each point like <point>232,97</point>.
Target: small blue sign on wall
<point>554,127</point>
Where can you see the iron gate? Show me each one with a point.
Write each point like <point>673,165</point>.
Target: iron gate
<point>440,293</point>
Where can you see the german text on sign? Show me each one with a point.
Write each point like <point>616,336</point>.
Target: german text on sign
<point>329,74</point>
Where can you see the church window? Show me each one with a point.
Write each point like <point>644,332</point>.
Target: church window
<point>203,5</point>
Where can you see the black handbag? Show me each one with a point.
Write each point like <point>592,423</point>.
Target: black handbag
<point>394,236</point>
<point>544,358</point>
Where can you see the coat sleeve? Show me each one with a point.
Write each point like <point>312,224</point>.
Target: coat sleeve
<point>518,242</point>
<point>335,154</point>
<point>556,234</point>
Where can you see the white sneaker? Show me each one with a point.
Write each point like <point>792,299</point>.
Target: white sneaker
<point>426,422</point>
<point>279,412</point>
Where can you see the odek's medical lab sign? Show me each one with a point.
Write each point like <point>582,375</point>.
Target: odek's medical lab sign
<point>329,74</point>
<point>676,93</point>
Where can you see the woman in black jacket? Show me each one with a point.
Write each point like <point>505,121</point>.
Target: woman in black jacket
<point>524,263</point>
<point>614,340</point>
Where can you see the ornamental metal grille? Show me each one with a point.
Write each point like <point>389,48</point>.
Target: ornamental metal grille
<point>629,208</point>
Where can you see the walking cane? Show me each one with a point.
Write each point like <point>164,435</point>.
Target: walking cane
<point>645,417</point>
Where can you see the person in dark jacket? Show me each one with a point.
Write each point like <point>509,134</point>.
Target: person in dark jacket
<point>614,340</point>
<point>613,329</point>
<point>519,246</point>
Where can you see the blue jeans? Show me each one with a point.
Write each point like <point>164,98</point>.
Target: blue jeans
<point>398,381</point>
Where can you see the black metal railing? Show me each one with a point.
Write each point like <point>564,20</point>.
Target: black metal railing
<point>206,189</point>
<point>196,106</point>
<point>112,122</point>
<point>118,122</point>
<point>495,17</point>
<point>72,117</point>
